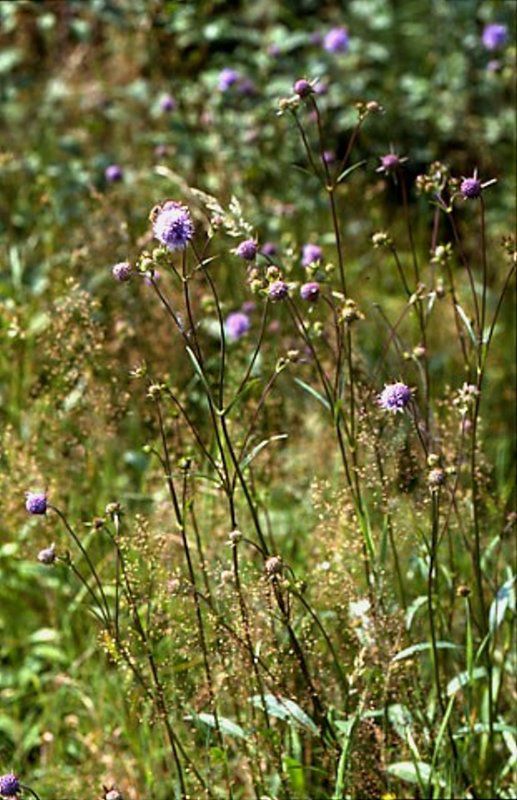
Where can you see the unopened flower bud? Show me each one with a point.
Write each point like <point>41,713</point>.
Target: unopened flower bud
<point>47,555</point>
<point>273,566</point>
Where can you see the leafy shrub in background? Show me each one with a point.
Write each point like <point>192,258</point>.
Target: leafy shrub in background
<point>298,592</point>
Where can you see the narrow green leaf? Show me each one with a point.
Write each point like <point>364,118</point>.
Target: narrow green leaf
<point>349,170</point>
<point>503,601</point>
<point>418,772</point>
<point>421,647</point>
<point>256,450</point>
<point>467,323</point>
<point>226,725</point>
<point>319,397</point>
<point>288,710</point>
<point>463,679</point>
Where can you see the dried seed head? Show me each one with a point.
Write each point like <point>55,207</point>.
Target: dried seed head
<point>273,566</point>
<point>436,478</point>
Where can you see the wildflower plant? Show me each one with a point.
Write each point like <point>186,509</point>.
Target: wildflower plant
<point>305,591</point>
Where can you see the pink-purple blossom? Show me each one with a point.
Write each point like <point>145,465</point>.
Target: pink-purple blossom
<point>247,250</point>
<point>36,502</point>
<point>278,290</point>
<point>494,36</point>
<point>336,40</point>
<point>310,291</point>
<point>310,254</point>
<point>173,226</point>
<point>113,173</point>
<point>395,397</point>
<point>236,325</point>
<point>122,271</point>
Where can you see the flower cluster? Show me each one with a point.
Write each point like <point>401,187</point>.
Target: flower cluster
<point>173,226</point>
<point>9,785</point>
<point>395,397</point>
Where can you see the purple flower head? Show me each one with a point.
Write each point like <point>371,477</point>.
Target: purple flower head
<point>494,65</point>
<point>471,188</point>
<point>247,250</point>
<point>167,103</point>
<point>122,271</point>
<point>494,36</point>
<point>236,325</point>
<point>329,156</point>
<point>246,87</point>
<point>269,249</point>
<point>173,226</point>
<point>278,290</point>
<point>228,77</point>
<point>336,40</point>
<point>310,291</point>
<point>303,88</point>
<point>47,555</point>
<point>274,50</point>
<point>310,254</point>
<point>395,397</point>
<point>36,502</point>
<point>390,162</point>
<point>113,173</point>
<point>9,785</point>
<point>249,306</point>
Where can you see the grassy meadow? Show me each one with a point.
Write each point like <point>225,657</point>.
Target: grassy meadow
<point>257,400</point>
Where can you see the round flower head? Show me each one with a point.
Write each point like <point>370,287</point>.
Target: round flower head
<point>278,290</point>
<point>246,87</point>
<point>247,250</point>
<point>113,173</point>
<point>47,555</point>
<point>249,306</point>
<point>36,502</point>
<point>471,188</point>
<point>269,249</point>
<point>310,254</point>
<point>167,103</point>
<point>494,36</point>
<point>236,325</point>
<point>329,156</point>
<point>9,785</point>
<point>395,397</point>
<point>336,40</point>
<point>310,291</point>
<point>228,77</point>
<point>173,226</point>
<point>303,88</point>
<point>390,162</point>
<point>113,794</point>
<point>122,271</point>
